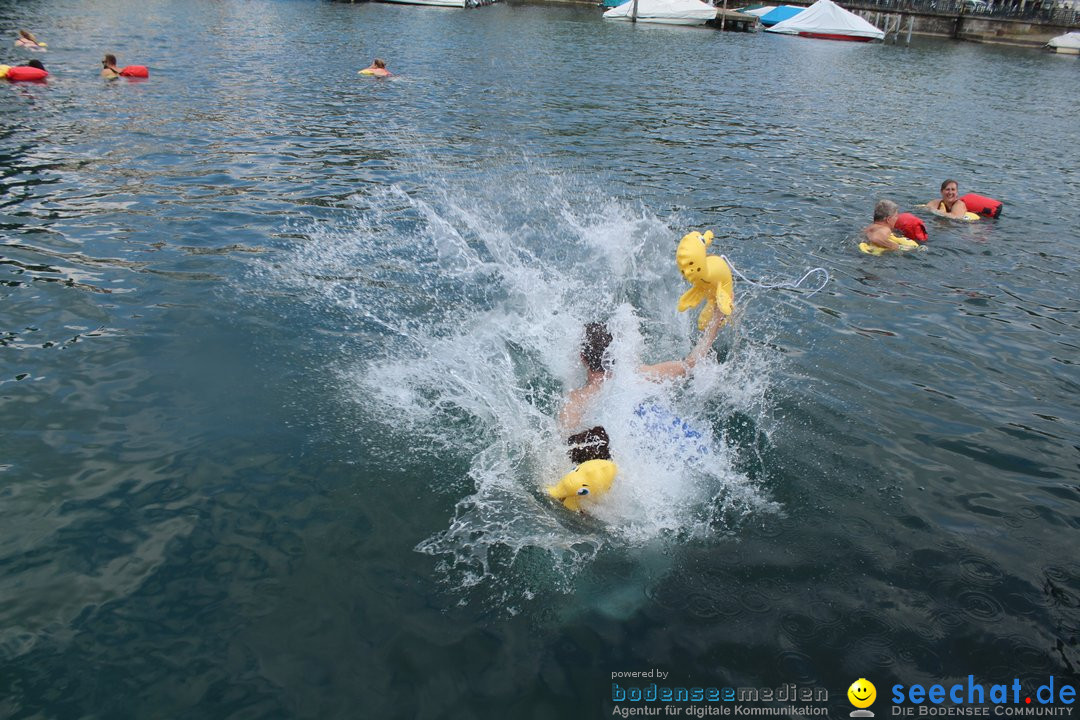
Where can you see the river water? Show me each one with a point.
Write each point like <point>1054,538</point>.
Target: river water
<point>282,348</point>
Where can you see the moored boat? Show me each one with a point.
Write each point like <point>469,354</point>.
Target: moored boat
<point>826,20</point>
<point>666,12</point>
<point>1067,44</point>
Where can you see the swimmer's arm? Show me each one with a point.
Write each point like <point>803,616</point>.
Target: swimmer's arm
<point>679,368</point>
<point>879,236</point>
<point>883,241</point>
<point>959,209</point>
<point>572,413</point>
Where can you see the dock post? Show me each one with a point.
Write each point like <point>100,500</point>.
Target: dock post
<point>633,12</point>
<point>910,24</point>
<point>723,18</point>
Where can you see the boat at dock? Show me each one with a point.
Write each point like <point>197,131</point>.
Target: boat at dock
<point>826,20</point>
<point>1067,44</point>
<point>779,14</point>
<point>666,12</point>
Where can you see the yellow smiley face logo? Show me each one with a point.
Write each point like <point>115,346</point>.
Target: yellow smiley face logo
<point>862,693</point>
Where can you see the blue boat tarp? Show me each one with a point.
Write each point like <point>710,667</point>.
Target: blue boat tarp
<point>780,14</point>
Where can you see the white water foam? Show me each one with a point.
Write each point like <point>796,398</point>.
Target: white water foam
<point>481,301</point>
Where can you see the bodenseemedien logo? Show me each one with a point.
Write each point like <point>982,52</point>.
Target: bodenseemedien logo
<point>862,694</point>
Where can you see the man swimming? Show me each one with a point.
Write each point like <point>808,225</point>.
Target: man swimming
<point>597,363</point>
<point>880,231</point>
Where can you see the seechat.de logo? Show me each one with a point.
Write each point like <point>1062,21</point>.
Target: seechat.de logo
<point>862,694</point>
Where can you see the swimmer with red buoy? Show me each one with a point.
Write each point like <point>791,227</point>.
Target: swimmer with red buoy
<point>109,71</point>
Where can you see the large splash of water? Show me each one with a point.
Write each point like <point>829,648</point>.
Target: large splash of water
<point>477,303</point>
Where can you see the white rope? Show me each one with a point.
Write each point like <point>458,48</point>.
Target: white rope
<point>779,286</point>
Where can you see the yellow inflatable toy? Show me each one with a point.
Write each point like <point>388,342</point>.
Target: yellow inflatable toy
<point>366,71</point>
<point>590,479</point>
<point>903,242</point>
<point>3,71</point>
<point>709,277</point>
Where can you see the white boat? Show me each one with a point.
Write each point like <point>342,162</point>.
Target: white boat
<point>667,12</point>
<point>1067,44</point>
<point>828,21</point>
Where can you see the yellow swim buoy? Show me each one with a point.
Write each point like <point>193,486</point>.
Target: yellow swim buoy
<point>3,70</point>
<point>709,277</point>
<point>590,479</point>
<point>903,242</point>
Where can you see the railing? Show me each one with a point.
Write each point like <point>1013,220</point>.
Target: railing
<point>1043,12</point>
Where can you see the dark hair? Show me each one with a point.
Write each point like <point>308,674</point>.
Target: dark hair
<point>110,59</point>
<point>947,182</point>
<point>591,444</point>
<point>35,63</point>
<point>597,339</point>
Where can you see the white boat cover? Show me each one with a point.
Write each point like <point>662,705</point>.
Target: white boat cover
<point>827,18</point>
<point>687,10</point>
<point>1070,41</point>
<point>760,11</point>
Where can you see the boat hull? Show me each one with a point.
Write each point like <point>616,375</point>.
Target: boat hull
<point>665,21</point>
<point>832,36</point>
<point>434,3</point>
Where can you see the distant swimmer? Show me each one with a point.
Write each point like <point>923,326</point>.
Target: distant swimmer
<point>108,67</point>
<point>949,204</point>
<point>880,232</point>
<point>110,71</point>
<point>27,40</point>
<point>33,71</point>
<point>377,68</point>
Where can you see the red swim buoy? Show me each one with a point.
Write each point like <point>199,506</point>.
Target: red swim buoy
<point>135,71</point>
<point>987,207</point>
<point>26,73</point>
<point>912,227</point>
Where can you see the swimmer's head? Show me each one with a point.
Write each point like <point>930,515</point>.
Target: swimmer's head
<point>35,64</point>
<point>379,63</point>
<point>109,61</point>
<point>947,183</point>
<point>591,444</point>
<point>884,210</point>
<point>594,349</point>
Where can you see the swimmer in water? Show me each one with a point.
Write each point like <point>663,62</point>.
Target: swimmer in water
<point>377,68</point>
<point>950,204</point>
<point>26,39</point>
<point>109,70</point>
<point>598,367</point>
<point>35,63</point>
<point>880,231</point>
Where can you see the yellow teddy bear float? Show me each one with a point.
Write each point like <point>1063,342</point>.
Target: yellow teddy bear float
<point>590,479</point>
<point>709,277</point>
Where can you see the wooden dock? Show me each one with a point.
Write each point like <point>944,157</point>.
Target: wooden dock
<point>733,20</point>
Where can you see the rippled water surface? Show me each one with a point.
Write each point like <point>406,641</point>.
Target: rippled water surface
<point>282,348</point>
